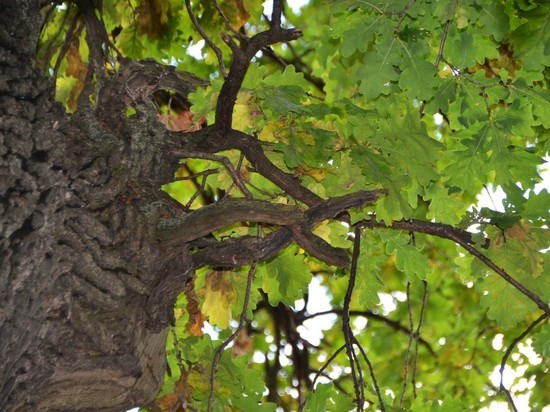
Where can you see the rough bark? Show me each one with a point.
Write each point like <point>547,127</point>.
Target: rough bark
<point>78,253</point>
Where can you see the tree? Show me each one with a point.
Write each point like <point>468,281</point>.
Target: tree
<point>349,150</point>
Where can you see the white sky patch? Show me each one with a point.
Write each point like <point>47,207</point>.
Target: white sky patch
<point>387,302</point>
<point>210,330</point>
<point>319,301</point>
<point>195,50</point>
<point>492,198</point>
<point>497,341</point>
<point>295,5</point>
<point>544,171</point>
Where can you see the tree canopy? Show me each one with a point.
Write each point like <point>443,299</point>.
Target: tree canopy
<point>330,165</point>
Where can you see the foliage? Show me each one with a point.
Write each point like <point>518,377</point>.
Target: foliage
<point>434,101</point>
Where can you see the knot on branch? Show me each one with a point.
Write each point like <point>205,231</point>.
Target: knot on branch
<point>139,81</point>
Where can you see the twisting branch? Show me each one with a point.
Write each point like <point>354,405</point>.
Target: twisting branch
<point>242,57</point>
<point>231,252</point>
<point>212,140</point>
<point>210,43</point>
<point>509,352</point>
<point>221,348</point>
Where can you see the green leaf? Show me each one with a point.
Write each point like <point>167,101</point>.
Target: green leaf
<point>418,78</point>
<point>516,119</point>
<point>531,40</point>
<point>359,36</point>
<point>541,341</point>
<point>326,397</point>
<point>408,258</point>
<point>505,304</point>
<point>288,77</point>
<point>282,100</point>
<point>286,277</point>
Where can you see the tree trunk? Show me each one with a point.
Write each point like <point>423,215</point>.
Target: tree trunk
<point>84,296</point>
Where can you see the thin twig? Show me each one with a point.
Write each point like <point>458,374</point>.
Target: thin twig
<point>374,316</point>
<point>72,33</point>
<point>372,375</point>
<point>221,348</point>
<point>402,14</point>
<point>409,345</point>
<point>504,275</point>
<point>196,175</point>
<point>417,336</point>
<point>210,43</point>
<point>176,348</point>
<point>509,352</point>
<point>228,165</point>
<point>48,55</point>
<point>327,363</point>
<point>439,57</point>
<point>442,43</point>
<point>200,190</point>
<point>335,382</point>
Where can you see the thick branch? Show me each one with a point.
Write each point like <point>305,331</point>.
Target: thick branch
<point>241,61</point>
<point>238,252</point>
<point>212,217</point>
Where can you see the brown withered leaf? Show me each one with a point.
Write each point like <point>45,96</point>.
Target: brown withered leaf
<point>75,68</point>
<point>242,344</point>
<point>236,13</point>
<point>196,318</point>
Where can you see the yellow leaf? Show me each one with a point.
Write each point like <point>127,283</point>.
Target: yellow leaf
<point>244,113</point>
<point>219,294</point>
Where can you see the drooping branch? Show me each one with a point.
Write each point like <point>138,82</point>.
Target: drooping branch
<point>357,377</point>
<point>507,355</point>
<point>464,239</point>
